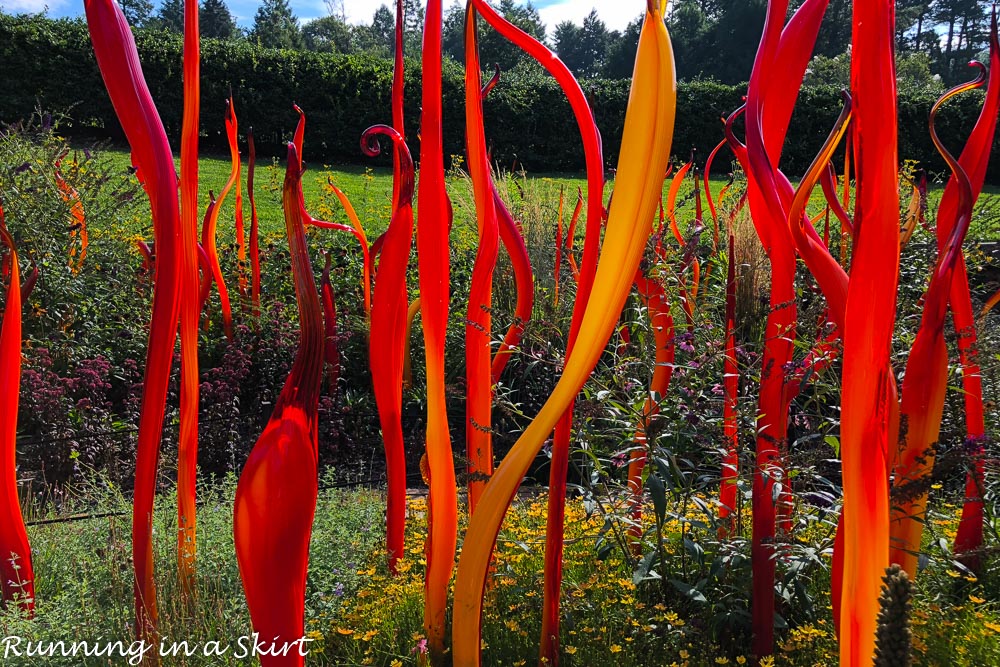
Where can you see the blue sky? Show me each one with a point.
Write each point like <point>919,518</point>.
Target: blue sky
<point>361,11</point>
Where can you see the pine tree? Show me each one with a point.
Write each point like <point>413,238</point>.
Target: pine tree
<point>137,12</point>
<point>171,16</point>
<point>276,27</point>
<point>216,20</point>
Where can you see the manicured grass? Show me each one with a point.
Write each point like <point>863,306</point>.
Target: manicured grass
<point>370,191</point>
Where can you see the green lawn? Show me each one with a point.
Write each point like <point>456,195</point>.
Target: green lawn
<point>370,191</point>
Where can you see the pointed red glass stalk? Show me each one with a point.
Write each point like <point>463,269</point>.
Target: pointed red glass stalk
<point>513,242</point>
<point>926,378</point>
<point>571,234</point>
<point>79,226</point>
<point>915,209</point>
<point>478,324</point>
<point>148,261</point>
<point>708,193</point>
<point>654,299</point>
<point>254,232</point>
<point>118,60</point>
<point>645,149</point>
<point>205,287</point>
<point>989,305</point>
<point>397,97</point>
<point>770,98</point>
<point>359,233</point>
<point>828,180</point>
<point>595,208</point>
<point>868,327</point>
<point>208,231</point>
<point>671,208</point>
<point>241,241</point>
<point>276,494</point>
<point>331,352</point>
<point>15,565</point>
<point>190,307</point>
<point>974,159</point>
<point>728,490</point>
<point>411,315</point>
<point>433,258</point>
<point>29,284</point>
<point>559,248</point>
<point>388,337</point>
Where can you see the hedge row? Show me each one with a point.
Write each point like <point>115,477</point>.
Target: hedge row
<point>50,64</point>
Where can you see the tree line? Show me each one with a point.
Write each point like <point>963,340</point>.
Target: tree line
<point>713,39</point>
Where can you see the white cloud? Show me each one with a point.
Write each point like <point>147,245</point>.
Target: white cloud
<point>616,14</point>
<point>30,6</point>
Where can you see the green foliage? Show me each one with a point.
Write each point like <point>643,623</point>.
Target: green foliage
<point>528,121</point>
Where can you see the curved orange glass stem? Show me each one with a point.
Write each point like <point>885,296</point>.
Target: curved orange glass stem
<point>187,446</point>
<point>79,227</point>
<point>208,230</point>
<point>478,323</point>
<point>388,338</point>
<point>15,567</point>
<point>708,193</point>
<point>513,241</point>
<point>671,208</point>
<point>241,241</point>
<point>571,235</point>
<point>276,495</point>
<point>118,60</point>
<point>359,233</point>
<point>411,315</point>
<point>254,231</point>
<point>654,298</point>
<point>926,378</point>
<point>645,149</point>
<point>595,209</point>
<point>331,351</point>
<point>974,159</point>
<point>433,257</point>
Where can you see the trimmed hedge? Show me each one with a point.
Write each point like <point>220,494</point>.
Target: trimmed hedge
<point>49,64</point>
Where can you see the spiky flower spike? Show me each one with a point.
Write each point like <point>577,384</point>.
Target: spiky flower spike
<point>276,494</point>
<point>118,60</point>
<point>894,640</point>
<point>645,149</point>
